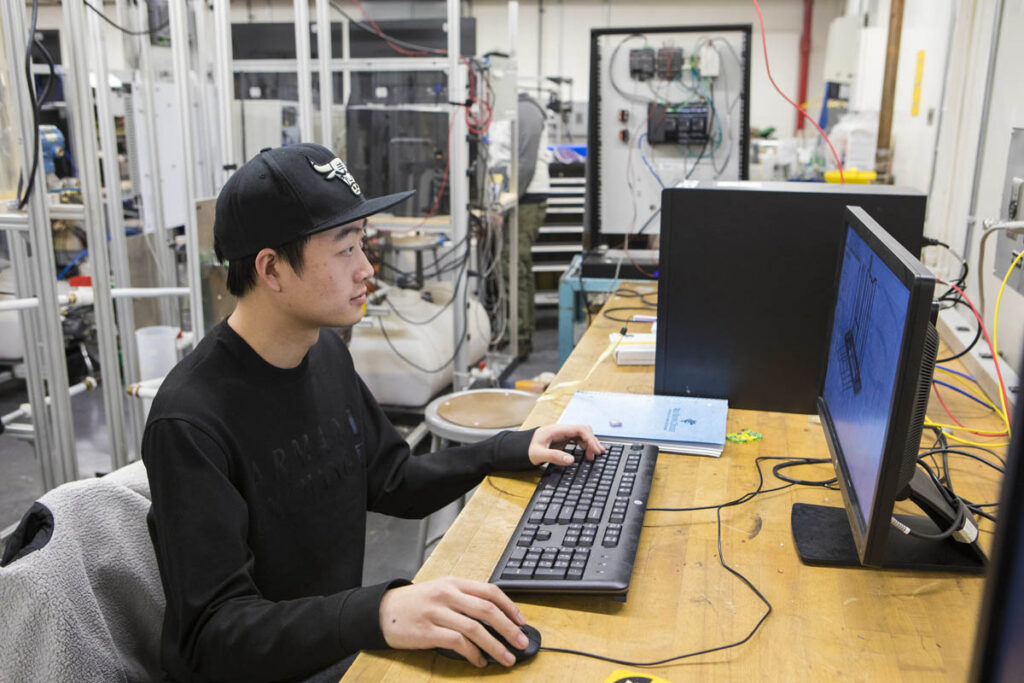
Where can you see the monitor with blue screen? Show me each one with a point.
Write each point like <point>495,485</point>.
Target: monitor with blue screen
<point>881,354</point>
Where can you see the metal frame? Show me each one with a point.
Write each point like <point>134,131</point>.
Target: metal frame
<point>101,212</point>
<point>31,255</point>
<point>31,238</point>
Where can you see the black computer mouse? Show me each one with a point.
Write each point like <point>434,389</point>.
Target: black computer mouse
<point>532,634</point>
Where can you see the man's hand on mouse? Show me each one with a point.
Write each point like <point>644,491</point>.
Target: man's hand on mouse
<point>443,613</point>
<point>547,442</point>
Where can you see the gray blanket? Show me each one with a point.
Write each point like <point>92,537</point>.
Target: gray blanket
<point>88,604</point>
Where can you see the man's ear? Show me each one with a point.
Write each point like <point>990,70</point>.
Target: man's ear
<point>268,269</point>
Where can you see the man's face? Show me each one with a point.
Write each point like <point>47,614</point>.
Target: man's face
<point>331,290</point>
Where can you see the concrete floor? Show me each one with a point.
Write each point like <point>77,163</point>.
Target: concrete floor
<point>392,544</point>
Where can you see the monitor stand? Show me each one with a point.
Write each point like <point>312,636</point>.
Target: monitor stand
<point>823,537</point>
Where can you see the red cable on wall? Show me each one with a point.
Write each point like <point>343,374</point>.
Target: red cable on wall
<point>764,45</point>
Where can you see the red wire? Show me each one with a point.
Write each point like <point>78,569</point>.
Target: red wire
<point>764,45</point>
<point>960,424</point>
<point>995,358</point>
<point>473,122</point>
<point>396,48</point>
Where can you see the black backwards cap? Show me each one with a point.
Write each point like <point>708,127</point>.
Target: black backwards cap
<point>284,193</point>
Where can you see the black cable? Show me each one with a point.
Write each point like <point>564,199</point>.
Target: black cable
<point>606,311</point>
<point>721,559</point>
<point>446,306</point>
<point>826,483</point>
<point>448,362</point>
<point>942,535</point>
<point>999,458</point>
<point>966,349</point>
<point>647,222</point>
<point>365,26</point>
<point>30,182</point>
<point>124,30</point>
<point>51,78</point>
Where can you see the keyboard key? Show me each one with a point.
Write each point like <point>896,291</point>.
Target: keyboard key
<point>525,541</point>
<point>514,574</point>
<point>543,535</point>
<point>574,574</point>
<point>617,517</point>
<point>551,515</point>
<point>549,574</point>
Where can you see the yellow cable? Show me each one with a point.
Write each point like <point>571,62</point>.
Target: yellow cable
<point>980,395</point>
<point>976,443</point>
<point>928,422</point>
<point>995,328</point>
<point>565,388</point>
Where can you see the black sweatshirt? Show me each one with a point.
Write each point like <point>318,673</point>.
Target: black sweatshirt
<point>261,478</point>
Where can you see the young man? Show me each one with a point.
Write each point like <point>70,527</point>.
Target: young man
<point>265,450</point>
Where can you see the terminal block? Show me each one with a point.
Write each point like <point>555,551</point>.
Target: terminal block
<point>641,64</point>
<point>669,63</point>
<point>684,124</point>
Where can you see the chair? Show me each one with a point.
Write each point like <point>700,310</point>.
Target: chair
<point>80,586</point>
<point>467,417</point>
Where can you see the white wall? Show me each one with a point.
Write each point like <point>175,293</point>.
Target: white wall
<point>963,115</point>
<point>926,30</point>
<point>566,41</point>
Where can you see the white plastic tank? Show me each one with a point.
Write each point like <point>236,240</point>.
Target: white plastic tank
<point>387,364</point>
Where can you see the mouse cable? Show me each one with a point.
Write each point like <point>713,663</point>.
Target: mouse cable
<point>796,462</point>
<point>721,559</point>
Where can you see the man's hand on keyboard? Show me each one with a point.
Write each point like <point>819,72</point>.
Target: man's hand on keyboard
<point>444,613</point>
<point>547,443</point>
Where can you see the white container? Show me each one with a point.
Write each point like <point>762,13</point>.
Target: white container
<point>158,352</point>
<point>390,377</point>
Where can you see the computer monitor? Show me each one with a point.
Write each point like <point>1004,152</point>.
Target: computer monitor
<point>881,354</point>
<point>998,655</point>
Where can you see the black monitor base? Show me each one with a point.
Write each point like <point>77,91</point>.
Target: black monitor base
<point>823,537</point>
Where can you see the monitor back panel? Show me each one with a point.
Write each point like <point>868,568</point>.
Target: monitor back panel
<point>747,284</point>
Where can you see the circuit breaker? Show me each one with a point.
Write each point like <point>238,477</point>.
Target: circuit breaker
<point>641,64</point>
<point>669,63</point>
<point>685,124</point>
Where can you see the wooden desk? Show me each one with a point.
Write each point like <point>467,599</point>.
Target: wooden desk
<point>851,624</point>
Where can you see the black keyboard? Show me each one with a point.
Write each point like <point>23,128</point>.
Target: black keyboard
<point>580,531</point>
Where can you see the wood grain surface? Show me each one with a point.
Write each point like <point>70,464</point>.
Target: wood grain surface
<point>849,624</point>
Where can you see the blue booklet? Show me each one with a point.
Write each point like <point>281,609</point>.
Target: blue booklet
<point>675,424</point>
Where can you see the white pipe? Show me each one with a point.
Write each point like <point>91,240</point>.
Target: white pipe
<point>147,292</point>
<point>25,409</point>
<point>19,304</point>
<point>145,389</point>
